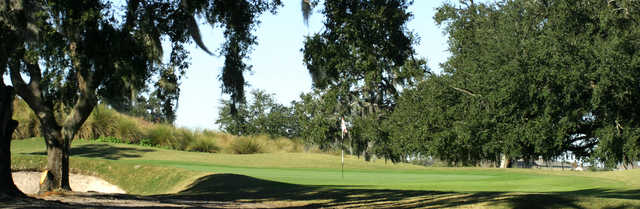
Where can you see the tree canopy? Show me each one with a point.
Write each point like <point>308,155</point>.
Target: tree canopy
<point>260,115</point>
<point>76,52</point>
<point>531,79</point>
<point>359,63</point>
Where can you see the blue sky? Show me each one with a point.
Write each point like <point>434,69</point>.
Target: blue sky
<point>277,60</point>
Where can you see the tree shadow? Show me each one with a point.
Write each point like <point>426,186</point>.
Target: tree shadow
<point>570,199</point>
<point>240,191</point>
<point>628,194</point>
<point>543,201</point>
<point>241,188</point>
<point>104,151</point>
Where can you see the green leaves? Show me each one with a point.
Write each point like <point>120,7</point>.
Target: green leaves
<point>359,64</point>
<point>262,115</point>
<point>531,79</point>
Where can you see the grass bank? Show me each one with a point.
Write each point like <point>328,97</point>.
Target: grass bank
<point>132,177</point>
<point>107,125</point>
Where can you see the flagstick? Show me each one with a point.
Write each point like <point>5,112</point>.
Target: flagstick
<point>343,128</point>
<point>342,151</point>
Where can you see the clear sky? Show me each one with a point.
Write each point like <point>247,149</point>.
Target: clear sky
<point>277,60</point>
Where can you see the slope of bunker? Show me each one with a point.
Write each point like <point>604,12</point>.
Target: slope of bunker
<point>29,183</point>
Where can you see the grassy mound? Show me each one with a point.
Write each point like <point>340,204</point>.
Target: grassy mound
<point>107,125</point>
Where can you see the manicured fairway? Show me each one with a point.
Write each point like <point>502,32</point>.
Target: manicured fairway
<point>459,180</point>
<point>304,169</point>
<point>310,173</point>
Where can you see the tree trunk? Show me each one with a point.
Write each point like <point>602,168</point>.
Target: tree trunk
<point>8,189</point>
<point>505,162</point>
<point>57,173</point>
<point>368,155</point>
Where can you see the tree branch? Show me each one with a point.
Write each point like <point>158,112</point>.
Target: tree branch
<point>580,148</point>
<point>618,127</point>
<point>575,139</point>
<point>25,91</point>
<point>466,92</point>
<point>35,78</point>
<point>132,6</point>
<point>31,93</point>
<point>82,109</point>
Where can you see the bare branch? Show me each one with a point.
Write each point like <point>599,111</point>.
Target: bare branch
<point>466,91</point>
<point>619,127</point>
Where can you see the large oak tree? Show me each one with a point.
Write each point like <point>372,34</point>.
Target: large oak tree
<point>531,79</point>
<point>85,50</point>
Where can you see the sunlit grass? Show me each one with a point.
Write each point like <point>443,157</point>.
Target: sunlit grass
<point>299,179</point>
<point>324,169</point>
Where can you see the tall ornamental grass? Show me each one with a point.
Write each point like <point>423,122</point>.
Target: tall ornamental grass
<point>107,125</point>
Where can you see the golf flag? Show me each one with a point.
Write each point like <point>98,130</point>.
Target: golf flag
<point>343,126</point>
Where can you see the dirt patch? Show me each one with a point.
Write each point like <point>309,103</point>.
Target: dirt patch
<point>29,183</point>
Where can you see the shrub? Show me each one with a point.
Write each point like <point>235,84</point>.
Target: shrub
<point>245,146</point>
<point>287,145</point>
<point>181,139</point>
<point>101,123</point>
<point>146,142</point>
<point>224,141</point>
<point>107,125</point>
<point>203,144</point>
<point>164,135</point>
<point>109,139</point>
<point>159,135</point>
<point>281,144</point>
<point>129,131</point>
<point>28,124</point>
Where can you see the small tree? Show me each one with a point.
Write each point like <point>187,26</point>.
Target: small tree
<point>260,115</point>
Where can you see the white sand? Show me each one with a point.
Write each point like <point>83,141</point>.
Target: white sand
<point>29,183</point>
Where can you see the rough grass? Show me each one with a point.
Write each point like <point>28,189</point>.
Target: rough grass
<point>307,177</point>
<point>245,146</point>
<point>107,125</point>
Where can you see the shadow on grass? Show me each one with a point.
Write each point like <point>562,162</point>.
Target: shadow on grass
<point>608,198</point>
<point>233,187</point>
<point>104,151</point>
<point>240,188</point>
<point>239,191</point>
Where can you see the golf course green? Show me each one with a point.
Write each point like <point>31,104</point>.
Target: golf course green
<point>316,179</point>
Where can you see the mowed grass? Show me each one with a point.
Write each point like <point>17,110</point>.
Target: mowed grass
<point>312,179</point>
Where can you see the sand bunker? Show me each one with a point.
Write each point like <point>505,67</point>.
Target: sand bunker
<point>29,183</point>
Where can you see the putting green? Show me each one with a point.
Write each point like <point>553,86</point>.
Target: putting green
<point>458,180</point>
<point>324,170</point>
